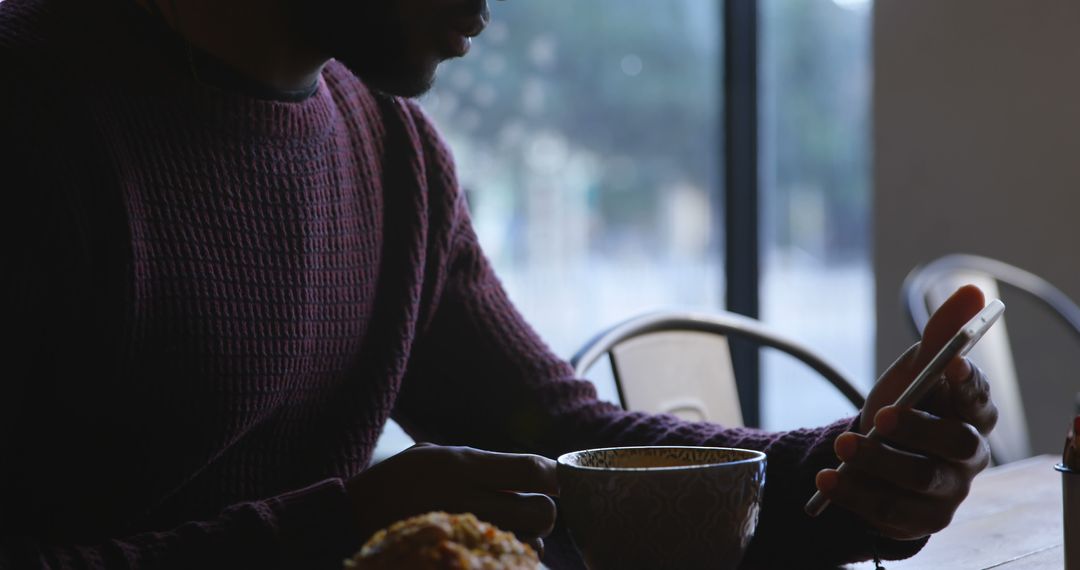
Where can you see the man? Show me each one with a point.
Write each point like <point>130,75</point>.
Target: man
<point>232,259</point>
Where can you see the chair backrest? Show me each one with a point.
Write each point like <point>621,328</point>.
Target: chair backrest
<point>929,285</point>
<point>679,363</point>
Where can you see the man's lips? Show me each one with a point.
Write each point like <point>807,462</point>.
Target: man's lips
<point>469,26</point>
<point>459,31</point>
<point>459,24</point>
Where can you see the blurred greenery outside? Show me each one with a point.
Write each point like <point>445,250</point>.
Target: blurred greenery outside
<point>588,138</point>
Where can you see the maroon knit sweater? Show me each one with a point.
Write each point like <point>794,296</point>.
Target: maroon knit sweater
<point>216,302</point>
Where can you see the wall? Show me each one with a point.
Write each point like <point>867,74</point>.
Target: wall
<point>977,142</point>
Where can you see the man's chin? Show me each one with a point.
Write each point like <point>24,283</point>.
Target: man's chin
<point>400,83</point>
<point>401,86</point>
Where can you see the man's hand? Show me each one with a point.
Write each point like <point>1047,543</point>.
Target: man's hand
<point>909,483</point>
<point>507,490</point>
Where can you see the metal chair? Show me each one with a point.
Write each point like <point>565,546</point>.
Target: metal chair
<point>680,363</point>
<point>928,286</point>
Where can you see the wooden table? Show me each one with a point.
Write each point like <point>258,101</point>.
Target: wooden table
<point>1010,521</point>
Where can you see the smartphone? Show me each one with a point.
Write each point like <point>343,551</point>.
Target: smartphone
<point>928,378</point>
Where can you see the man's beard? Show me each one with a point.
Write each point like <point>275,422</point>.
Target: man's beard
<point>370,38</point>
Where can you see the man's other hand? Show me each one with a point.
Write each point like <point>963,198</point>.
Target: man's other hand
<point>508,490</point>
<point>909,483</point>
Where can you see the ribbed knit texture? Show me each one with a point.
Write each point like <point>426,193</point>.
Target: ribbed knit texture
<point>219,301</point>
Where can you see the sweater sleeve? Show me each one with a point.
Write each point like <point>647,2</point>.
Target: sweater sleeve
<point>480,376</point>
<point>307,528</point>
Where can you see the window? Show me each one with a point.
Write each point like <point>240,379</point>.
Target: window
<point>586,135</point>
<point>816,271</point>
<point>587,138</point>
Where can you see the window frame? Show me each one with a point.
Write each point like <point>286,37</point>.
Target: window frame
<point>742,256</point>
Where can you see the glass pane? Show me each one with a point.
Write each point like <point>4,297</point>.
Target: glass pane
<point>817,284</point>
<point>586,136</point>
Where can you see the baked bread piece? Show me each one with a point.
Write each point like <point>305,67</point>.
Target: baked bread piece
<point>442,541</point>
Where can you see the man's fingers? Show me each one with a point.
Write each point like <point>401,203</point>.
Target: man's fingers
<point>970,397</point>
<point>898,375</point>
<point>508,490</point>
<point>924,433</point>
<point>959,369</point>
<point>908,471</point>
<point>527,515</point>
<point>885,506</point>
<point>521,473</point>
<point>954,313</point>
